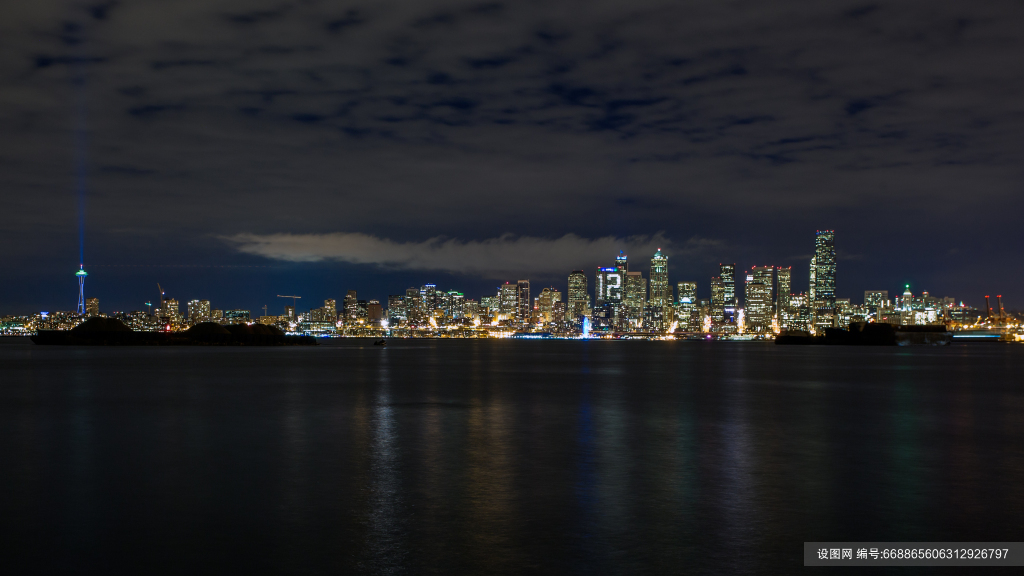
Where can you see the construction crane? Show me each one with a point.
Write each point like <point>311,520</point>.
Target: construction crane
<point>294,305</point>
<point>161,295</point>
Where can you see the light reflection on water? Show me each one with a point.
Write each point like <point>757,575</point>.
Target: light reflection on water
<point>500,457</point>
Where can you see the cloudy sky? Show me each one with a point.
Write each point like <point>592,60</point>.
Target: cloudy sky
<point>238,150</point>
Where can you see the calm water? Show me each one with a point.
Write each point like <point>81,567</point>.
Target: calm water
<point>499,457</point>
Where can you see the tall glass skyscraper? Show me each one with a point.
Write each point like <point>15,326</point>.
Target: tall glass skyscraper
<point>578,301</point>
<point>728,276</point>
<point>825,278</point>
<point>759,300</point>
<point>661,291</point>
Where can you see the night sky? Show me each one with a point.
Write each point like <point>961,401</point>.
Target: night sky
<point>233,151</point>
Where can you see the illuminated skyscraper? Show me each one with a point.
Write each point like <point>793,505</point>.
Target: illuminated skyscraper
<point>758,300</point>
<point>170,309</point>
<point>608,286</point>
<point>634,296</point>
<point>824,278</point>
<point>199,310</point>
<point>729,283</point>
<point>578,304</point>
<point>525,312</point>
<point>415,313</point>
<point>687,308</point>
<point>92,306</point>
<point>546,304</point>
<point>661,292</point>
<point>508,300</point>
<point>784,280</point>
<point>718,300</point>
<point>351,306</point>
<point>331,309</point>
<point>620,262</point>
<point>396,309</point>
<point>374,312</point>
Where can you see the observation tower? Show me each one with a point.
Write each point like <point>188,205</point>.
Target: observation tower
<point>81,287</point>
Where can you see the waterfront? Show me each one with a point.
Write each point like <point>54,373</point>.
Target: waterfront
<point>490,456</point>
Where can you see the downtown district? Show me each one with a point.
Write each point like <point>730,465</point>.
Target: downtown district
<point>625,304</point>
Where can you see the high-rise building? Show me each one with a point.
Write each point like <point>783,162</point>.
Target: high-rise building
<point>199,310</point>
<point>415,313</point>
<point>351,306</point>
<point>508,300</point>
<point>608,286</point>
<point>396,309</point>
<point>92,306</point>
<point>430,298</point>
<point>634,296</point>
<point>374,312</point>
<point>687,307</point>
<point>525,304</point>
<point>578,304</point>
<point>728,275</point>
<point>824,278</point>
<point>491,305</point>
<point>620,262</point>
<point>718,300</point>
<point>170,309</point>
<point>758,300</point>
<point>661,291</point>
<point>454,304</point>
<point>546,304</point>
<point>784,281</point>
<point>331,308</point>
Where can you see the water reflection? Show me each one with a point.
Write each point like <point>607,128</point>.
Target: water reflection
<point>501,457</point>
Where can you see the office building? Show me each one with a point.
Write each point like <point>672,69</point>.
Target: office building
<point>331,308</point>
<point>784,285</point>
<point>661,291</point>
<point>374,312</point>
<point>578,302</point>
<point>824,279</point>
<point>634,298</point>
<point>687,308</point>
<point>546,304</point>
<point>415,313</point>
<point>758,300</point>
<point>718,300</point>
<point>351,306</point>
<point>396,310</point>
<point>608,286</point>
<point>730,303</point>
<point>508,301</point>
<point>525,313</point>
<point>620,263</point>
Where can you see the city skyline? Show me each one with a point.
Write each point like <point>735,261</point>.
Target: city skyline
<point>413,141</point>
<point>757,302</point>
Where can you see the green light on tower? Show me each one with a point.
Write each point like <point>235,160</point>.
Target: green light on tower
<point>81,287</point>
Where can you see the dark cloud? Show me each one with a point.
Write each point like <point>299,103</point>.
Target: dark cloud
<point>748,122</point>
